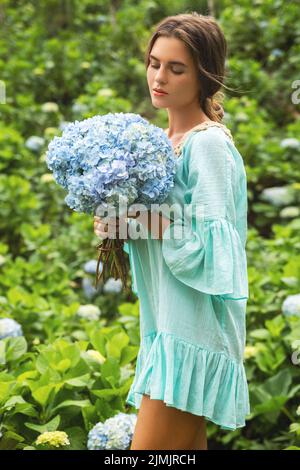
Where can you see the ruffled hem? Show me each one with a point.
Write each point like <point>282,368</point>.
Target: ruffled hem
<point>211,260</point>
<point>192,379</point>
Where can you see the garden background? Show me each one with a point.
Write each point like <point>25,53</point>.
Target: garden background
<point>71,364</point>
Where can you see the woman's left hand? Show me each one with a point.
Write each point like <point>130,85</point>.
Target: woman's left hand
<point>110,228</point>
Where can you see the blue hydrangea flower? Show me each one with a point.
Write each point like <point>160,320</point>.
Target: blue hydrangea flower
<point>112,286</point>
<point>89,289</point>
<point>9,327</point>
<point>114,434</point>
<point>63,124</point>
<point>112,159</point>
<point>91,266</point>
<point>34,143</point>
<point>291,306</point>
<point>277,52</point>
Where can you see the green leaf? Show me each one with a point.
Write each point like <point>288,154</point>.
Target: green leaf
<point>129,353</point>
<point>82,381</point>
<point>115,345</point>
<point>110,370</point>
<point>77,437</point>
<point>9,440</point>
<point>41,394</point>
<point>98,342</point>
<point>276,325</point>
<point>261,334</point>
<point>292,448</point>
<point>13,401</point>
<point>52,425</point>
<point>2,353</point>
<point>15,348</point>
<point>63,365</point>
<point>72,352</point>
<point>78,403</point>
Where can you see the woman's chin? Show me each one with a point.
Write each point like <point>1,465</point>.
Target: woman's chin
<point>157,105</point>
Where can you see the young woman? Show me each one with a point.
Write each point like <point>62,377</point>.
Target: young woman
<point>192,290</point>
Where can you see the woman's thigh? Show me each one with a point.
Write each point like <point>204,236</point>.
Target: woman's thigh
<point>159,426</point>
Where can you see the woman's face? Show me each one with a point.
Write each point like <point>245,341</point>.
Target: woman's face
<point>180,81</point>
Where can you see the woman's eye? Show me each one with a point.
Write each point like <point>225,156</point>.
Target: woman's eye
<point>174,71</point>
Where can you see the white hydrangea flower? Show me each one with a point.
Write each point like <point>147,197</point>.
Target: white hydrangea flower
<point>250,351</point>
<point>112,286</point>
<point>107,92</point>
<point>9,328</point>
<point>290,212</point>
<point>291,305</point>
<point>96,355</point>
<point>49,64</point>
<point>53,438</point>
<point>242,117</point>
<point>50,107</point>
<point>85,65</point>
<point>290,142</point>
<point>278,196</point>
<point>79,108</point>
<point>47,178</point>
<point>89,312</point>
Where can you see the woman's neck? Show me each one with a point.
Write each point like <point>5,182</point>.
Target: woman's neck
<point>179,126</point>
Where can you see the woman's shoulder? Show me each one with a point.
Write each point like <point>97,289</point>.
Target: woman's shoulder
<point>209,141</point>
<point>213,147</point>
<point>212,132</point>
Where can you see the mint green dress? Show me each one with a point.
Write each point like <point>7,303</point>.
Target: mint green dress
<point>193,289</point>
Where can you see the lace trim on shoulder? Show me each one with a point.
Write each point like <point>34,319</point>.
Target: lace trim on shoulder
<point>201,127</point>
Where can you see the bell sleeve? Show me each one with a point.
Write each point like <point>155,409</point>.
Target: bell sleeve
<point>202,246</point>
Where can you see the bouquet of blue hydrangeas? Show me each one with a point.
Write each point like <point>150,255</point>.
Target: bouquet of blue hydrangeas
<point>112,160</point>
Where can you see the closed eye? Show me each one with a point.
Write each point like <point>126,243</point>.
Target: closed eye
<point>155,67</point>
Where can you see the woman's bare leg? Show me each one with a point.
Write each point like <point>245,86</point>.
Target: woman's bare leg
<point>201,439</point>
<point>160,426</point>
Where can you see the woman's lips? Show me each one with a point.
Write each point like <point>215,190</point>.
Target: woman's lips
<point>158,93</point>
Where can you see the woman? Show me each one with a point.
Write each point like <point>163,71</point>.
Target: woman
<point>193,290</point>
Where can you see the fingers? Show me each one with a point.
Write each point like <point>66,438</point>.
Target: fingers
<point>106,229</point>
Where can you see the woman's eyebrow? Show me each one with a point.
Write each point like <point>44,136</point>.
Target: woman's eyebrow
<point>171,62</point>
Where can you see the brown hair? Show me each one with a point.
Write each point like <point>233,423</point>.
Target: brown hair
<point>207,44</point>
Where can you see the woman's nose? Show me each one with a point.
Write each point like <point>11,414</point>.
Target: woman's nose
<point>160,75</point>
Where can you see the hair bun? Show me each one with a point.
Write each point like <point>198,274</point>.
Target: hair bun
<point>216,107</point>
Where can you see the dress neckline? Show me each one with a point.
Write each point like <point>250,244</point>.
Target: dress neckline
<point>199,127</point>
